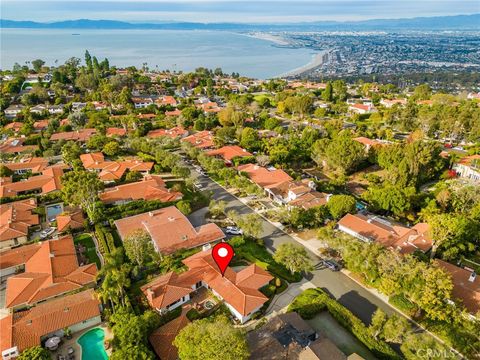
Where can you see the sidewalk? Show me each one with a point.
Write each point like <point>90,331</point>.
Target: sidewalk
<point>284,299</point>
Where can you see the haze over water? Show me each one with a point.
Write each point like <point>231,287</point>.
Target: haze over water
<point>169,49</point>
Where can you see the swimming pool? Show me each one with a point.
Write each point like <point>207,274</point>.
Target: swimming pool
<point>53,210</point>
<point>92,345</point>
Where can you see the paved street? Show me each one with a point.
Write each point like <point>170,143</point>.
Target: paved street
<point>360,301</point>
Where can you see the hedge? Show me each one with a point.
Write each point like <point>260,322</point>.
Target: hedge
<point>313,301</point>
<point>102,242</point>
<point>400,302</point>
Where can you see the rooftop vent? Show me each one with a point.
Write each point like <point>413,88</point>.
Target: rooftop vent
<point>171,218</point>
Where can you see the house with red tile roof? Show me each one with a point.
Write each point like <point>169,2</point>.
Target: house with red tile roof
<point>175,112</point>
<point>170,230</point>
<point>70,220</point>
<point>228,153</point>
<point>466,286</point>
<point>16,220</point>
<point>50,272</point>
<point>40,125</point>
<point>49,181</point>
<point>390,103</point>
<point>166,100</point>
<point>174,133</point>
<point>152,187</point>
<point>15,146</point>
<point>468,168</point>
<point>79,135</point>
<point>370,228</point>
<point>146,116</point>
<point>368,143</point>
<point>362,108</point>
<point>119,132</point>
<point>201,139</point>
<point>110,171</point>
<point>28,328</point>
<point>238,290</point>
<point>33,164</point>
<point>14,126</point>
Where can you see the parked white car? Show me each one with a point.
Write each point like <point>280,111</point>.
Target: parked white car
<point>47,232</point>
<point>233,230</point>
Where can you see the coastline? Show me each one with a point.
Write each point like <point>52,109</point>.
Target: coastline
<point>277,39</point>
<point>317,60</point>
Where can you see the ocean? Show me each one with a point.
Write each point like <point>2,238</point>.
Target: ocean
<point>160,49</point>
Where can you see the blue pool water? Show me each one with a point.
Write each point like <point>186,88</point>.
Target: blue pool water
<point>92,345</point>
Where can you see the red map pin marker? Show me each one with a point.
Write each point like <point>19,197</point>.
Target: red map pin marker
<point>222,254</point>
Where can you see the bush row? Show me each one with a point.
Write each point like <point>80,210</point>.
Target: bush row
<point>312,301</point>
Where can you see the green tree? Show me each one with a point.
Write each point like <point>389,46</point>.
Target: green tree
<point>184,207</point>
<point>35,353</point>
<point>396,329</point>
<point>339,205</point>
<point>213,340</point>
<point>70,152</point>
<point>249,139</point>
<point>81,188</point>
<point>294,257</point>
<point>217,208</point>
<point>251,224</point>
<point>327,93</point>
<point>137,352</point>
<point>111,148</point>
<point>424,346</point>
<point>452,235</point>
<point>138,246</point>
<point>379,319</point>
<point>37,65</point>
<point>5,171</point>
<point>181,171</point>
<point>342,152</point>
<point>116,279</point>
<point>392,198</point>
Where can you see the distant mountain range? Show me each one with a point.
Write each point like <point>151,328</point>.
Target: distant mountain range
<point>458,22</point>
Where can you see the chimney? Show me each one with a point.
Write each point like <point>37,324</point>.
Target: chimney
<point>369,221</point>
<point>52,255</point>
<point>150,213</point>
<point>206,247</point>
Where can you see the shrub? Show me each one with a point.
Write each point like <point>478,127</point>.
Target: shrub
<point>400,302</point>
<point>312,301</point>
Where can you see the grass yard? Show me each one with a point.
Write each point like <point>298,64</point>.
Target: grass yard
<point>255,253</point>
<point>87,241</point>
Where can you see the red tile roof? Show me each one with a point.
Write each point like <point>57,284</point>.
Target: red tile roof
<point>173,133</point>
<point>15,126</point>
<point>309,200</point>
<point>40,125</point>
<point>404,239</point>
<point>18,256</point>
<point>53,270</point>
<point>240,290</point>
<point>463,289</point>
<point>14,146</point>
<point>24,329</point>
<point>201,139</point>
<point>34,164</point>
<point>170,229</point>
<point>49,181</point>
<point>70,220</point>
<point>469,160</point>
<point>229,152</point>
<point>16,218</point>
<point>111,131</point>
<point>112,170</point>
<point>79,135</point>
<point>175,112</point>
<point>152,187</point>
<point>166,100</point>
<point>162,338</point>
<point>264,177</point>
<point>366,141</point>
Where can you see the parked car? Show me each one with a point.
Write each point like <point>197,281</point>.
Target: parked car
<point>332,265</point>
<point>47,232</point>
<point>198,186</point>
<point>233,230</point>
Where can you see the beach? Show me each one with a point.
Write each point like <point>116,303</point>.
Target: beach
<point>277,39</point>
<point>317,60</point>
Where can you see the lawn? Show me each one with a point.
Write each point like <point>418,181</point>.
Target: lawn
<point>87,241</point>
<point>255,253</point>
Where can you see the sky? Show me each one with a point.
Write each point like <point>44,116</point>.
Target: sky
<point>245,11</point>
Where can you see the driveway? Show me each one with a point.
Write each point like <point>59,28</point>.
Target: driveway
<point>346,291</point>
